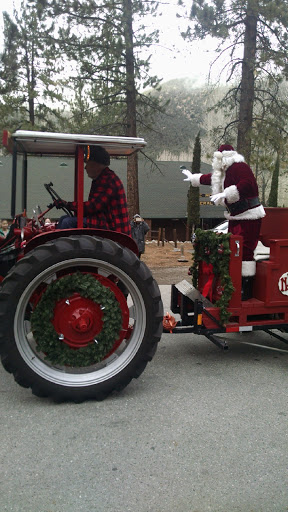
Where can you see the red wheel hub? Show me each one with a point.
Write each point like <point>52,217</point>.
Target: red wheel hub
<point>77,320</point>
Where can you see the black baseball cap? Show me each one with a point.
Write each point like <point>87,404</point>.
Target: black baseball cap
<point>96,154</point>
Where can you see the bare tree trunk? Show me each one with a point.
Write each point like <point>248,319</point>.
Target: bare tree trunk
<point>31,85</point>
<point>273,196</point>
<point>131,130</point>
<point>132,185</point>
<point>247,94</point>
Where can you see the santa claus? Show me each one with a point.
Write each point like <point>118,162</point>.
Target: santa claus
<point>234,186</point>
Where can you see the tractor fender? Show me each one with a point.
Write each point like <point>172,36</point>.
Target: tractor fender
<point>120,238</point>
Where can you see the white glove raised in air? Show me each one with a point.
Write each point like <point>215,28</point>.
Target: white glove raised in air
<point>188,174</point>
<point>218,198</point>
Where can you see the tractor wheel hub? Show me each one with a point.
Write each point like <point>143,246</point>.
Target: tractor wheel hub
<point>78,320</point>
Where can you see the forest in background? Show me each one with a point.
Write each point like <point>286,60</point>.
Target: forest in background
<point>78,66</point>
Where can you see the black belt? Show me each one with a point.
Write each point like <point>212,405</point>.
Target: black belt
<point>243,205</point>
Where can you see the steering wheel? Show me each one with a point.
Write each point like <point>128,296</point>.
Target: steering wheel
<point>55,196</point>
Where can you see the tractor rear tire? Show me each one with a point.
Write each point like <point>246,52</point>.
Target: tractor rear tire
<point>46,264</point>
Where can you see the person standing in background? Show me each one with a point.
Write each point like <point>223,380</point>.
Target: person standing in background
<point>7,249</point>
<point>4,230</point>
<point>139,228</point>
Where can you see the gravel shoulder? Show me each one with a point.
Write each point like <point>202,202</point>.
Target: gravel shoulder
<point>170,275</point>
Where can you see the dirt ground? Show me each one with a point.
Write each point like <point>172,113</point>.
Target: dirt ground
<point>164,262</point>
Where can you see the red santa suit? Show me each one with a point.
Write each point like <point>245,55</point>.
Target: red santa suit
<point>234,186</point>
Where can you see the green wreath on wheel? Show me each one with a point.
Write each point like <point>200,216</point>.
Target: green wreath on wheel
<point>47,339</point>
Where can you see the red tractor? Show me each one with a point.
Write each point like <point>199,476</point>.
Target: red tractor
<point>81,315</point>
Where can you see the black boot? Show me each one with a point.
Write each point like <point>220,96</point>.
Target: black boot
<point>247,287</point>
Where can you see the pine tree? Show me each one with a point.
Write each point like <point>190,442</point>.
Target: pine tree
<point>270,136</point>
<point>260,28</point>
<point>273,196</point>
<point>30,68</point>
<point>102,39</point>
<point>193,206</point>
<point>174,130</point>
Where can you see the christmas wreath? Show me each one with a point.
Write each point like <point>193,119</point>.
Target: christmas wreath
<point>213,248</point>
<point>47,339</point>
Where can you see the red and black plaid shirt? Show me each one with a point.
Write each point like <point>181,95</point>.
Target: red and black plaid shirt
<point>106,207</point>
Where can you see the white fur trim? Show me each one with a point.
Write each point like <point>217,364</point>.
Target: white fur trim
<point>232,194</point>
<point>231,157</point>
<point>252,214</point>
<point>248,268</point>
<point>195,180</point>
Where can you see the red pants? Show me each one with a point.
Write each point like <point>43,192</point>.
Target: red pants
<point>250,230</point>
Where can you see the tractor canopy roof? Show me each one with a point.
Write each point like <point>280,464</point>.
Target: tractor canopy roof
<point>66,144</point>
<point>47,144</point>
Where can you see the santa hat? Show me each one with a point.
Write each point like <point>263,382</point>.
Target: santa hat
<point>224,151</point>
<point>225,147</point>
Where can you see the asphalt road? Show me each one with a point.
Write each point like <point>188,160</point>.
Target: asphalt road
<point>201,430</point>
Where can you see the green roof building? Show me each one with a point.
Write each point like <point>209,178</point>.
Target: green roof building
<point>162,193</point>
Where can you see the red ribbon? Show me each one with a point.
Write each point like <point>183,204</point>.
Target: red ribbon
<point>207,269</point>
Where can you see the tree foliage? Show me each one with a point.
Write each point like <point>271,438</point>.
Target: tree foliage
<point>105,40</point>
<point>30,69</point>
<point>273,196</point>
<point>270,136</point>
<point>101,44</point>
<point>174,129</point>
<point>259,29</point>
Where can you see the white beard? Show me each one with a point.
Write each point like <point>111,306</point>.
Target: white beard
<point>220,163</point>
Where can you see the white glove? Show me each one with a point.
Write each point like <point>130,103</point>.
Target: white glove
<point>218,198</point>
<point>188,174</point>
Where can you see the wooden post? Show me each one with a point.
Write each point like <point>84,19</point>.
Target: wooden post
<point>159,236</point>
<point>175,238</point>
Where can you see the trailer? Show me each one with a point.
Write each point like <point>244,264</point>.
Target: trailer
<point>207,309</point>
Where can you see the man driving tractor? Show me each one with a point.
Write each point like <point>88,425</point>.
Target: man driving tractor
<point>106,207</point>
